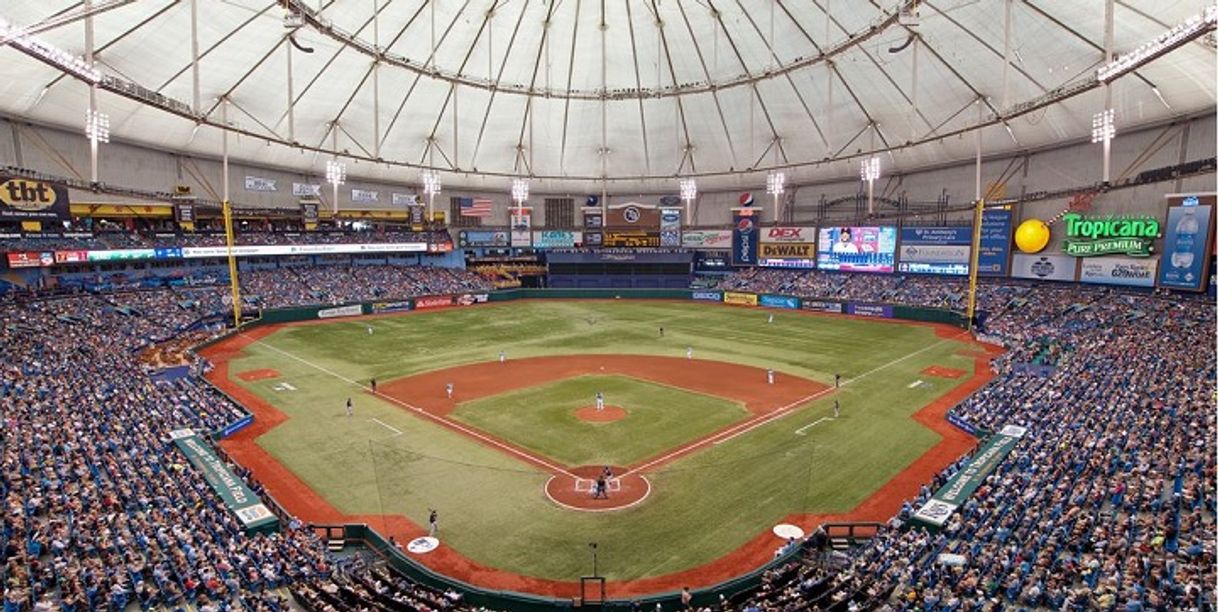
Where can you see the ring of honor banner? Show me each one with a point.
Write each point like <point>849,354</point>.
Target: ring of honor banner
<point>184,214</point>
<point>670,227</point>
<point>309,215</point>
<point>1187,242</point>
<point>522,223</point>
<point>418,215</point>
<point>746,234</point>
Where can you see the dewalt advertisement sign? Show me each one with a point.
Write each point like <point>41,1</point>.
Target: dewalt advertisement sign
<point>28,200</point>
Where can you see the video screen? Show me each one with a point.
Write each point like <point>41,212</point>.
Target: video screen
<point>857,249</point>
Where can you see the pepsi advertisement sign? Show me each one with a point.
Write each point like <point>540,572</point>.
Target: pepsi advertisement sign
<point>745,236</point>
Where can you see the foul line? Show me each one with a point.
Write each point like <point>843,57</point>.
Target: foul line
<point>445,422</point>
<point>747,426</point>
<point>396,431</point>
<point>800,431</point>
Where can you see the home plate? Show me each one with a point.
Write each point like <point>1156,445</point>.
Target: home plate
<point>787,531</point>
<point>426,544</point>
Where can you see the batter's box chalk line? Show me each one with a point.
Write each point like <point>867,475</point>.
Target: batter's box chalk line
<point>588,485</point>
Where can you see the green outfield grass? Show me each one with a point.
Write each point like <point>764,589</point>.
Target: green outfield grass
<point>702,506</point>
<point>542,419</point>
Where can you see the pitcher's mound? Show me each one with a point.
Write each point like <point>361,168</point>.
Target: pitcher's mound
<point>609,414</point>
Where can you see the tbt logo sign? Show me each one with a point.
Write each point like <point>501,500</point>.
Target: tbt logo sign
<point>22,199</point>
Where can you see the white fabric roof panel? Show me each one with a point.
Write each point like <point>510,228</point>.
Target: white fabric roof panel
<point>569,51</point>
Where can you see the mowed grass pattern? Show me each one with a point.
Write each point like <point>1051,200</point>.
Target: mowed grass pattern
<point>702,506</point>
<point>542,419</point>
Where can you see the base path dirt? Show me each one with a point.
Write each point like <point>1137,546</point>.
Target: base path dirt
<point>608,414</point>
<point>943,372</point>
<point>263,374</point>
<point>762,400</point>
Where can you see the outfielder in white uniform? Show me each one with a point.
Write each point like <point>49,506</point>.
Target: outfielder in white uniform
<point>689,352</point>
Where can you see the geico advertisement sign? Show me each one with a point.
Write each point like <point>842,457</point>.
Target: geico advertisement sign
<point>789,234</point>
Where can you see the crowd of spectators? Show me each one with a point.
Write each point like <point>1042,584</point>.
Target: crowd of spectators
<point>1108,502</point>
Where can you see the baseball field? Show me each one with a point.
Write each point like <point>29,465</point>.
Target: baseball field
<point>707,454</point>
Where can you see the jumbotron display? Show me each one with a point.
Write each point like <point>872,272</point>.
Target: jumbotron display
<point>857,249</point>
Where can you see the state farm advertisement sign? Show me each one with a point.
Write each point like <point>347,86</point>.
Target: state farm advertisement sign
<point>433,301</point>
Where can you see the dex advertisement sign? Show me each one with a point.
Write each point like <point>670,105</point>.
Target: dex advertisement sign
<point>1186,246</point>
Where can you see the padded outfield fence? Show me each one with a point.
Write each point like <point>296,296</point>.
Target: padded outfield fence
<point>733,589</point>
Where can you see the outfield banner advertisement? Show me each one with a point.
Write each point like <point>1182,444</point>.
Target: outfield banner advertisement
<point>398,306</point>
<point>944,502</point>
<point>779,301</point>
<point>935,250</point>
<point>869,310</point>
<point>30,259</point>
<point>469,299</point>
<point>278,249</point>
<point>745,237</point>
<point>857,249</point>
<point>475,238</point>
<point>995,251</point>
<point>522,223</point>
<point>670,227</point>
<point>26,200</point>
<point>1044,267</point>
<point>741,299</point>
<point>706,239</point>
<point>709,296</point>
<point>1187,243</point>
<point>341,311</point>
<point>432,301</point>
<point>253,514</point>
<point>1125,271</point>
<point>822,306</point>
<point>555,239</point>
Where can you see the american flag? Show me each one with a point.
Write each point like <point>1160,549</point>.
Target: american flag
<point>475,207</point>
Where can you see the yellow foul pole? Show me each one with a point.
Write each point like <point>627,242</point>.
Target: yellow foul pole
<point>232,264</point>
<point>974,256</point>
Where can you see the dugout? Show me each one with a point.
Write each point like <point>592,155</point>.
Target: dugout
<point>619,269</point>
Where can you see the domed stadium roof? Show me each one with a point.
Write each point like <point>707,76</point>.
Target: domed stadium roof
<point>574,91</point>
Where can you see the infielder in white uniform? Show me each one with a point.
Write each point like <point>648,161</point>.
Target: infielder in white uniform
<point>769,376</point>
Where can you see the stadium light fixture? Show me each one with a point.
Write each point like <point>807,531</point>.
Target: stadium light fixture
<point>689,193</point>
<point>869,169</point>
<point>431,182</point>
<point>18,37</point>
<point>775,184</point>
<point>1103,128</point>
<point>336,172</point>
<point>520,191</point>
<point>1161,44</point>
<point>97,126</point>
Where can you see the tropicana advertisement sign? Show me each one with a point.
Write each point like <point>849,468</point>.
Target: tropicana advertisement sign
<point>1089,236</point>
